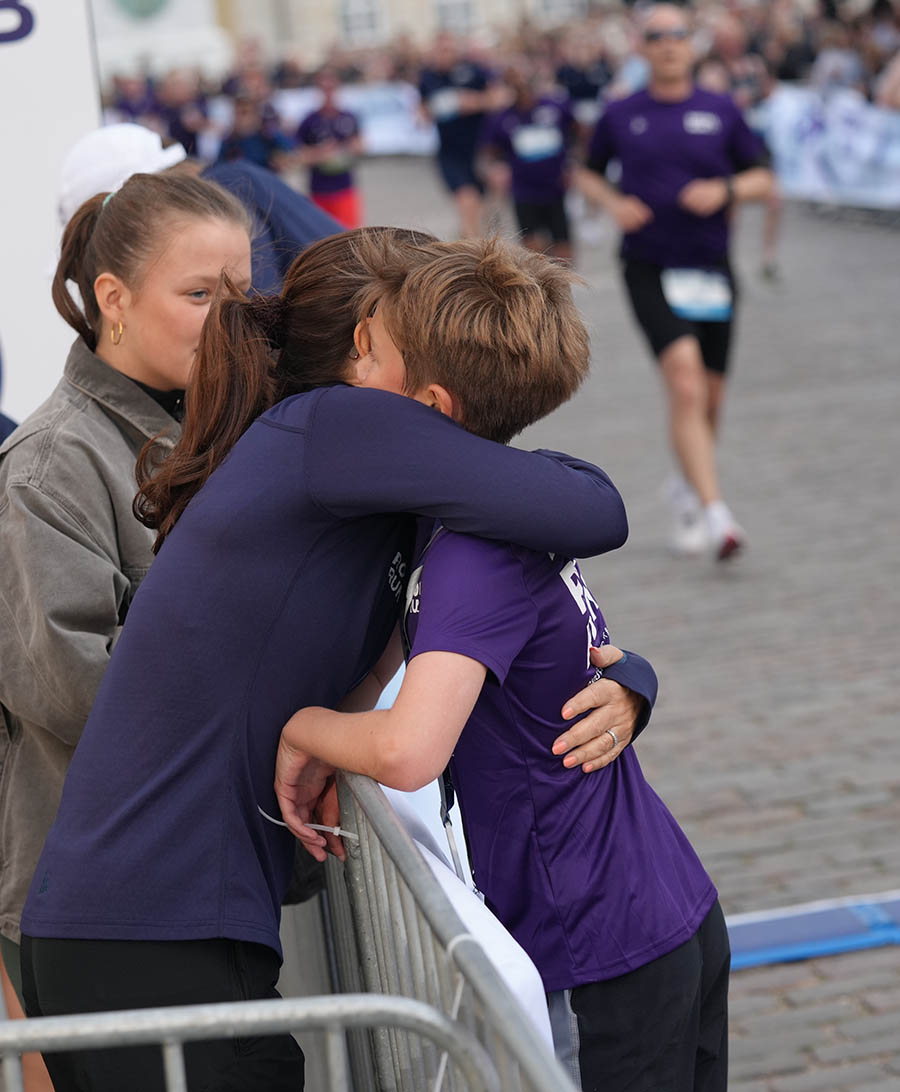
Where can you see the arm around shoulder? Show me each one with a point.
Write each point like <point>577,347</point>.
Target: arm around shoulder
<point>372,452</point>
<point>636,674</point>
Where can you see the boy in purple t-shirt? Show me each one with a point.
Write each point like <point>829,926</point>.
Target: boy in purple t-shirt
<point>533,137</point>
<point>593,878</point>
<point>330,142</point>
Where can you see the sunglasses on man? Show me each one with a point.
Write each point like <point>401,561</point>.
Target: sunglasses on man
<point>676,34</point>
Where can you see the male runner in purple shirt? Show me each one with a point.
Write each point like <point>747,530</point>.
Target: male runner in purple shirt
<point>594,879</point>
<point>687,156</point>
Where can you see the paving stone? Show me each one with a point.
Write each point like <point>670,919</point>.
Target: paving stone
<point>883,1000</point>
<point>870,1027</point>
<point>782,976</point>
<point>810,1017</point>
<point>867,986</point>
<point>766,1064</point>
<point>832,1079</point>
<point>850,963</point>
<point>885,1044</point>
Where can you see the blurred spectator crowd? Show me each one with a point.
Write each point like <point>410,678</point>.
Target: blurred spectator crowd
<point>742,46</point>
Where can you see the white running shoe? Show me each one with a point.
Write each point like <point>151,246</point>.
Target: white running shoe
<point>726,536</point>
<point>689,537</point>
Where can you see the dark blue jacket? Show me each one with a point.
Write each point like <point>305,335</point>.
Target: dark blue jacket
<point>284,221</point>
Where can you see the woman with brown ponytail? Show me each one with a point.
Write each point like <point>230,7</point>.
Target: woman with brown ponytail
<point>284,529</point>
<point>146,261</point>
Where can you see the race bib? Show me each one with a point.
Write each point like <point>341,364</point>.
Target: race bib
<point>337,164</point>
<point>534,142</point>
<point>586,111</point>
<point>700,295</point>
<point>444,104</point>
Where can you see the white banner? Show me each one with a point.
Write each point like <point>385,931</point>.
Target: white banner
<point>48,99</point>
<point>834,147</point>
<point>388,115</point>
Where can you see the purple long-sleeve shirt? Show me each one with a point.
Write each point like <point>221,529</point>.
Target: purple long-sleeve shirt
<point>277,589</point>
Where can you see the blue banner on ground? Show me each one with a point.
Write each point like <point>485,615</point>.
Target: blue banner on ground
<point>813,930</point>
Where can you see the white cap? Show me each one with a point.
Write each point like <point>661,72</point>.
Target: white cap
<point>105,158</point>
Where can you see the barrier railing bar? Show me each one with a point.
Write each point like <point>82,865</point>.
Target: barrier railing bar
<point>237,1019</point>
<point>421,984</point>
<point>336,1055</point>
<point>371,954</point>
<point>538,1066</point>
<point>173,1066</point>
<point>391,953</point>
<point>13,1080</point>
<point>376,896</point>
<point>350,979</point>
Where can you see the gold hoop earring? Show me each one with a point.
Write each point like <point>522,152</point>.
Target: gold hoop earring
<point>115,334</point>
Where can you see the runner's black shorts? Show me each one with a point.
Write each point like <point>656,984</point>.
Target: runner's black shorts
<point>458,170</point>
<point>660,324</point>
<point>546,218</point>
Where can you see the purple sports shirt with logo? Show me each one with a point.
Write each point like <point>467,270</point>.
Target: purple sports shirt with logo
<point>318,128</point>
<point>662,146</point>
<point>535,143</point>
<point>590,874</point>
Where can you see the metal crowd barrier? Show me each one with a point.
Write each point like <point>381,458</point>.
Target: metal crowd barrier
<point>421,1008</point>
<point>173,1027</point>
<point>396,933</point>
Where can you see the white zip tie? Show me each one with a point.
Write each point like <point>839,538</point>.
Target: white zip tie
<point>339,831</point>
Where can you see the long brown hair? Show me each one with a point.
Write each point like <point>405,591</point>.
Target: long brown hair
<point>255,351</point>
<point>122,232</point>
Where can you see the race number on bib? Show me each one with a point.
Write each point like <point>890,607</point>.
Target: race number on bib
<point>534,142</point>
<point>338,163</point>
<point>444,104</point>
<point>700,295</point>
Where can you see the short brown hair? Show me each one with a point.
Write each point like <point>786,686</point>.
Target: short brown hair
<point>492,322</point>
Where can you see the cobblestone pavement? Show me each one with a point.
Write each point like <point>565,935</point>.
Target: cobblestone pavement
<point>776,739</point>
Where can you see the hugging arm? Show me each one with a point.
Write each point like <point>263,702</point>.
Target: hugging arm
<point>618,707</point>
<point>372,452</point>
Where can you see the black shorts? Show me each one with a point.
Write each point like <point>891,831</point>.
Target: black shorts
<point>660,324</point>
<point>547,218</point>
<point>458,171</point>
<point>664,1025</point>
<point>60,977</point>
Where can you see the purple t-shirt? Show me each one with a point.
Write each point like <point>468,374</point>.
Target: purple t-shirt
<point>334,175</point>
<point>590,874</point>
<point>278,588</point>
<point>534,142</point>
<point>662,146</point>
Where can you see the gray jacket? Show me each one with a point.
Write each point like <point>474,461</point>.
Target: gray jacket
<point>71,558</point>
